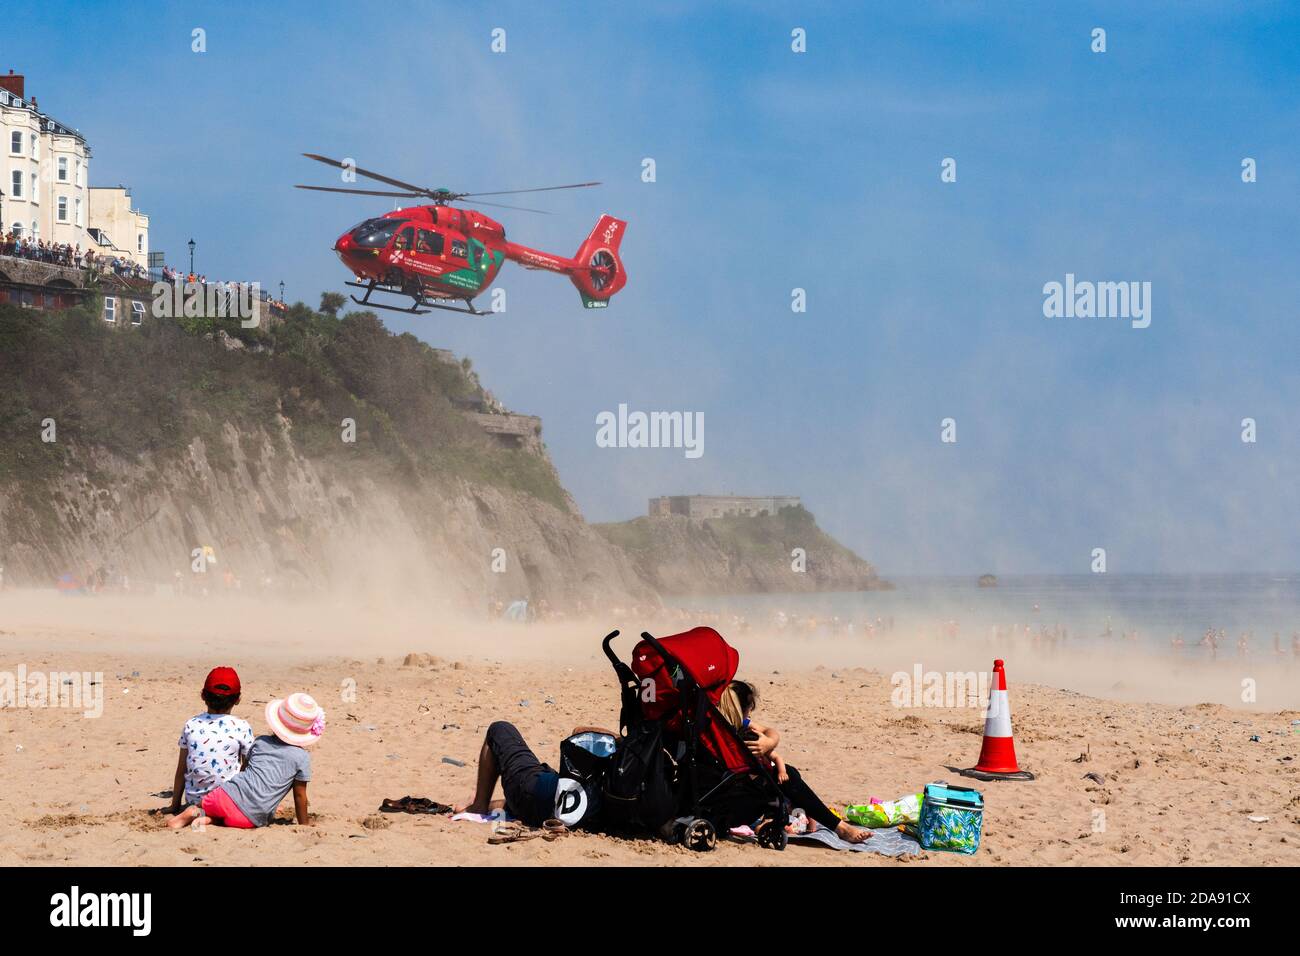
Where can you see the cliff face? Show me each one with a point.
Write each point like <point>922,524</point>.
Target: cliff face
<point>739,555</point>
<point>326,454</point>
<point>168,441</point>
<point>277,518</point>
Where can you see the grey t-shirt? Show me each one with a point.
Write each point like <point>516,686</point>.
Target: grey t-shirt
<point>273,766</point>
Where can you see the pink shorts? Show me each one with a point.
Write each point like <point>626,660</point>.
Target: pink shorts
<point>218,805</point>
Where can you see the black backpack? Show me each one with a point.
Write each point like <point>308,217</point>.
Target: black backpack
<point>585,759</point>
<point>638,790</point>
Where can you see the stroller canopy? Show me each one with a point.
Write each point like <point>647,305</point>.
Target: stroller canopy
<point>701,652</point>
<point>702,655</point>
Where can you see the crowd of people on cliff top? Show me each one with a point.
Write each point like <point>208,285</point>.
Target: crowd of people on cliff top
<point>231,289</point>
<point>74,257</point>
<point>63,254</point>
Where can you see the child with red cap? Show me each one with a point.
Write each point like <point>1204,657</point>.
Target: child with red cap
<point>277,764</point>
<point>214,745</point>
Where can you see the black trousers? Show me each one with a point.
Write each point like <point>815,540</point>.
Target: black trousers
<point>801,795</point>
<point>744,799</point>
<point>523,776</point>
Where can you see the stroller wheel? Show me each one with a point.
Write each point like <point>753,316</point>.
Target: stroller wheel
<point>700,835</point>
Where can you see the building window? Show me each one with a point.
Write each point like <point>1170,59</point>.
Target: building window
<point>78,210</point>
<point>63,209</point>
<point>35,192</point>
<point>36,229</point>
<point>17,230</point>
<point>137,312</point>
<point>16,142</point>
<point>139,242</point>
<point>80,178</point>
<point>16,192</point>
<point>36,148</point>
<point>63,169</point>
<point>110,309</point>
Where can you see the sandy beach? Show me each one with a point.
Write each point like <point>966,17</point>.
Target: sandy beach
<point>1181,776</point>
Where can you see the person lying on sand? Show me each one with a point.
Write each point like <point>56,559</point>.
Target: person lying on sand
<point>528,784</point>
<point>214,745</point>
<point>276,764</point>
<point>738,701</point>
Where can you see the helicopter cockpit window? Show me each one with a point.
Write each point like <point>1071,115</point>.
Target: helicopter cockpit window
<point>375,233</point>
<point>429,243</point>
<point>405,239</point>
<point>458,248</point>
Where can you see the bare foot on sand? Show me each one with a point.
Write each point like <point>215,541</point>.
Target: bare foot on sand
<point>850,834</point>
<point>469,806</point>
<point>186,817</point>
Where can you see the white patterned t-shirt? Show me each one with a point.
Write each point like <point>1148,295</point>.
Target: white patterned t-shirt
<point>214,744</point>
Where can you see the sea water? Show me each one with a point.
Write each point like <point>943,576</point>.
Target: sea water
<point>1145,611</point>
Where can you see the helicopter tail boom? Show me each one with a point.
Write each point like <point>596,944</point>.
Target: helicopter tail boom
<point>598,271</point>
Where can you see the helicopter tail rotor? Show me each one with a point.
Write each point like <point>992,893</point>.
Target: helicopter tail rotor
<point>599,273</point>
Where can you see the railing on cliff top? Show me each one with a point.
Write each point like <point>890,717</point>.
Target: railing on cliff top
<point>141,282</point>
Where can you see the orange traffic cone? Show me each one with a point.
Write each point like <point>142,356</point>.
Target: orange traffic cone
<point>998,753</point>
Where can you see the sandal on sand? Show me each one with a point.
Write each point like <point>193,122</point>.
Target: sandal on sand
<point>413,805</point>
<point>511,832</point>
<point>553,829</point>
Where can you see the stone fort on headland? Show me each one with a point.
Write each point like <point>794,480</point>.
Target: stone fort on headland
<point>719,506</point>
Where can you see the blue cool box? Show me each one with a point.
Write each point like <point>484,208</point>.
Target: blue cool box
<point>952,818</point>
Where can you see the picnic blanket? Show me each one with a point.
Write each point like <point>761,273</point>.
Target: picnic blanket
<point>886,841</point>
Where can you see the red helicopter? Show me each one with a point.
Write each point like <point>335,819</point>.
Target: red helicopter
<point>437,254</point>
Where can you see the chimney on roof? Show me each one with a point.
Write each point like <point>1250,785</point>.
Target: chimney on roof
<point>13,83</point>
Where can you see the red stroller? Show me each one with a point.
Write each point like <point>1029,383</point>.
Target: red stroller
<point>670,696</point>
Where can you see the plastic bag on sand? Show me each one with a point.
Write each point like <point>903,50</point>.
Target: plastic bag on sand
<point>889,813</point>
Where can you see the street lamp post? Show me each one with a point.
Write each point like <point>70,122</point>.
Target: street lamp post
<point>282,292</point>
<point>191,245</point>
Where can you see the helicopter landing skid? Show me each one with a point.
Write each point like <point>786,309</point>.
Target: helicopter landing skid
<point>413,310</point>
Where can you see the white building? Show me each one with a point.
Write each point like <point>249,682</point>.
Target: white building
<point>44,184</point>
<point>116,228</point>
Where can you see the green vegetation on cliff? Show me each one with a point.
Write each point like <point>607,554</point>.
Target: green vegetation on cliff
<point>155,388</point>
<point>742,554</point>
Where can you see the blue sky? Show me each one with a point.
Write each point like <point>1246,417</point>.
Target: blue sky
<point>778,170</point>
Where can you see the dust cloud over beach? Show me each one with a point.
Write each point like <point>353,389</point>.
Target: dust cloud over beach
<point>1178,777</point>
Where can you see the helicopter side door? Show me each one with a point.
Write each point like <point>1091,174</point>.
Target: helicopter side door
<point>428,252</point>
<point>405,241</point>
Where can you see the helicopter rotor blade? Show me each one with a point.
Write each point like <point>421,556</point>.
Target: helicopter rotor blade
<point>360,192</point>
<point>500,205</point>
<point>438,195</point>
<point>538,189</point>
<point>419,190</point>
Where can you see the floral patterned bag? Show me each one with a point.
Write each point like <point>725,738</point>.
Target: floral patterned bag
<point>951,818</point>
